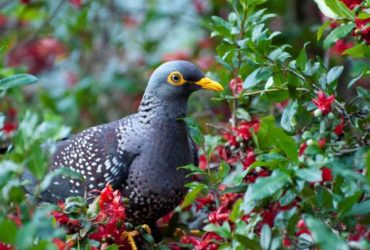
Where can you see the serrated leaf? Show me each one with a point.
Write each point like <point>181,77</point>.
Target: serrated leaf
<point>17,80</point>
<point>323,235</point>
<point>333,74</point>
<point>337,34</point>
<point>288,121</point>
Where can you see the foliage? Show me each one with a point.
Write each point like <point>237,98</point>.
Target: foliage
<point>288,170</point>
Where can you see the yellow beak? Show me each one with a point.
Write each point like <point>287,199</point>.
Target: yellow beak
<point>207,83</point>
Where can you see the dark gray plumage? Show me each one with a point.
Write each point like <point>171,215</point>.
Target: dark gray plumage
<point>138,154</point>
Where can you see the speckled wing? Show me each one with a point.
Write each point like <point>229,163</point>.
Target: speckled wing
<point>98,154</point>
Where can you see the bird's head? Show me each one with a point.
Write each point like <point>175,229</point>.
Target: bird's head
<point>177,79</point>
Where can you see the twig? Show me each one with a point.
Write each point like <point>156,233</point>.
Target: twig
<point>220,128</point>
<point>35,34</point>
<point>347,151</point>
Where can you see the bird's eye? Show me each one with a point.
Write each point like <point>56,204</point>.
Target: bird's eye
<point>175,78</point>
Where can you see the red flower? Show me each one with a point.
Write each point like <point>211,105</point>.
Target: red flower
<point>187,239</point>
<point>340,46</point>
<point>302,148</point>
<point>249,159</point>
<point>203,163</point>
<point>322,142</point>
<point>4,246</point>
<point>61,245</point>
<point>9,127</point>
<point>244,129</point>
<point>236,86</point>
<point>339,129</point>
<point>63,220</point>
<point>323,102</point>
<point>287,242</point>
<point>37,55</point>
<point>219,216</point>
<point>25,1</point>
<point>359,232</point>
<point>204,201</point>
<point>302,228</point>
<point>230,138</point>
<point>326,174</point>
<point>352,3</point>
<point>110,219</point>
<point>363,28</point>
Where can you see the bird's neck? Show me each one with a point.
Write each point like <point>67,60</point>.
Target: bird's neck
<point>152,107</point>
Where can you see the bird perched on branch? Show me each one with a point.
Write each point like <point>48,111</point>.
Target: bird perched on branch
<point>139,154</point>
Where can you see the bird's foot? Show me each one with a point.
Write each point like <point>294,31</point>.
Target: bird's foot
<point>140,230</point>
<point>181,232</point>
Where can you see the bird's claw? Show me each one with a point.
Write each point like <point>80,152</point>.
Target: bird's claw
<point>132,234</point>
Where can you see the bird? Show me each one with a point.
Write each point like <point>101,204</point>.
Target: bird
<point>140,154</point>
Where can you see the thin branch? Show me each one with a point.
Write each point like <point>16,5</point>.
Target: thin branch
<point>36,33</point>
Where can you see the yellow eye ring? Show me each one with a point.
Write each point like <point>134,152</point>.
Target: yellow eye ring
<point>175,78</point>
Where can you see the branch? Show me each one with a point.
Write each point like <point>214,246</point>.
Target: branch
<point>35,34</point>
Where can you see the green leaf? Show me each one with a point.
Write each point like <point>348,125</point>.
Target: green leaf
<point>194,130</point>
<point>358,51</point>
<point>337,34</point>
<point>243,114</point>
<point>258,75</point>
<point>266,186</point>
<point>276,136</point>
<point>354,80</point>
<point>309,174</point>
<point>362,208</point>
<point>265,240</point>
<point>67,172</point>
<point>224,231</point>
<point>17,80</point>
<point>246,242</point>
<point>288,121</point>
<point>302,57</point>
<point>323,235</point>
<point>112,247</point>
<point>322,29</point>
<point>333,74</point>
<point>8,231</point>
<point>325,9</point>
<point>339,8</point>
<point>193,194</point>
<point>346,204</point>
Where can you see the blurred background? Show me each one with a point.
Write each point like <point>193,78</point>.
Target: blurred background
<point>93,58</point>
